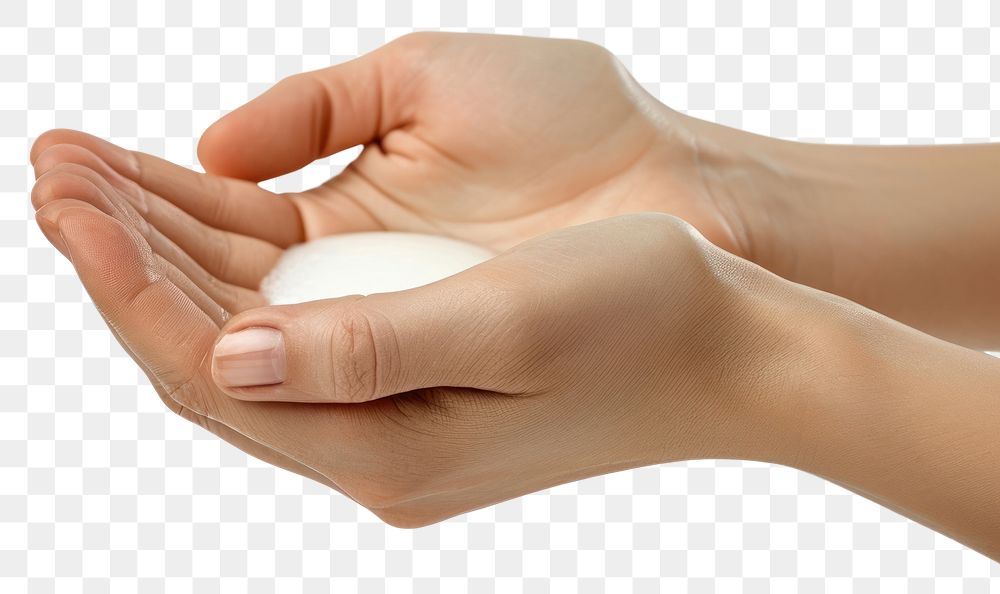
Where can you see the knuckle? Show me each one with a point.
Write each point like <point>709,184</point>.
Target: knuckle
<point>354,364</point>
<point>416,39</point>
<point>414,49</point>
<point>661,236</point>
<point>219,258</point>
<point>220,205</point>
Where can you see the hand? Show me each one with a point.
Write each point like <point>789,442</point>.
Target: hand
<point>611,345</point>
<point>217,237</point>
<point>491,139</point>
<point>792,376</point>
<point>594,348</point>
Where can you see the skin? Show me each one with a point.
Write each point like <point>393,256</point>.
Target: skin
<point>909,231</point>
<point>607,335</point>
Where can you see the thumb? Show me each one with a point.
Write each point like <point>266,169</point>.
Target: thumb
<point>309,116</point>
<point>458,332</point>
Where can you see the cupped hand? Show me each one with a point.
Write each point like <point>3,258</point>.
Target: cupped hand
<point>489,139</point>
<point>593,348</point>
<point>486,138</point>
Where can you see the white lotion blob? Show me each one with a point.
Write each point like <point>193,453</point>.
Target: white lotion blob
<point>366,263</point>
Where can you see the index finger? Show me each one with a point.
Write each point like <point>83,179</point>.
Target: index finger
<point>228,204</point>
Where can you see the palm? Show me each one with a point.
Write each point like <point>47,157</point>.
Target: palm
<point>499,153</point>
<point>489,139</point>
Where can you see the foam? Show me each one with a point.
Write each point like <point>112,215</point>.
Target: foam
<point>366,263</point>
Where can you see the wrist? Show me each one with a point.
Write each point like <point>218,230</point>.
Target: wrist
<point>790,341</point>
<point>771,193</point>
<point>758,357</point>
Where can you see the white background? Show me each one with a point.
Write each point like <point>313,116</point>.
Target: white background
<point>102,490</point>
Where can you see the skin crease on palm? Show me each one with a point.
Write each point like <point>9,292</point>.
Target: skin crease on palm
<point>605,337</point>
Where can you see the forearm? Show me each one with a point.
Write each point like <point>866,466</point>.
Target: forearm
<point>813,381</point>
<point>912,232</point>
<point>911,422</point>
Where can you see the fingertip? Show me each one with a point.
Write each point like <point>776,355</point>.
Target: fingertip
<point>43,162</point>
<point>106,253</point>
<point>80,144</point>
<point>67,180</point>
<point>208,146</point>
<point>231,148</point>
<point>292,123</point>
<point>165,330</point>
<point>57,136</point>
<point>55,152</point>
<point>59,220</point>
<point>44,141</point>
<point>57,212</point>
<point>68,154</point>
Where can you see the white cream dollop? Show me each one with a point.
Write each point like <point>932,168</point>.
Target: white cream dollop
<point>366,263</point>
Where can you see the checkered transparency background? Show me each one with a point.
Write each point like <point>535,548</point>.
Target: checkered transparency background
<point>102,490</point>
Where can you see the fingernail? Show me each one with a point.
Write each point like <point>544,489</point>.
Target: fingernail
<point>250,357</point>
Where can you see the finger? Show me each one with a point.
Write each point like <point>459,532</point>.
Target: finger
<point>164,330</point>
<point>236,259</point>
<point>46,222</point>
<point>233,258</point>
<point>118,158</point>
<point>129,334</point>
<point>214,311</point>
<point>228,204</point>
<point>120,272</point>
<point>69,180</point>
<point>461,331</point>
<point>312,115</point>
<point>218,314</point>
